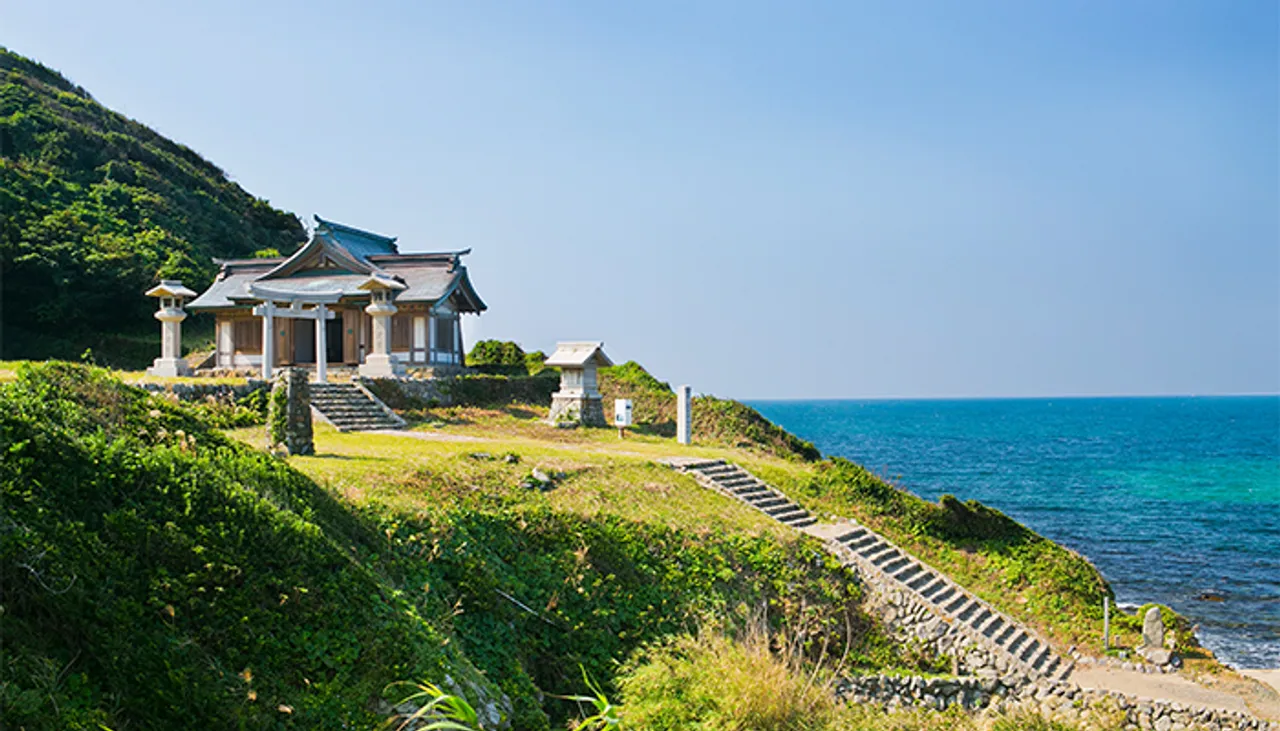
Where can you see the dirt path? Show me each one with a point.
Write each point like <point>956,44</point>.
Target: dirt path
<point>1158,687</point>
<point>1270,677</point>
<point>430,436</point>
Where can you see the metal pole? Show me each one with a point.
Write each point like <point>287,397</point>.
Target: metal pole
<point>1106,623</point>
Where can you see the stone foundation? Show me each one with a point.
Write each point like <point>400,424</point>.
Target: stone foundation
<point>1054,700</point>
<point>585,410</point>
<point>202,391</point>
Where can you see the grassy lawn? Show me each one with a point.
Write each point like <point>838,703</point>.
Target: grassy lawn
<point>462,461</point>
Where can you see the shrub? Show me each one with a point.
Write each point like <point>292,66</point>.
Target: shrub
<point>711,682</point>
<point>498,357</point>
<point>157,575</point>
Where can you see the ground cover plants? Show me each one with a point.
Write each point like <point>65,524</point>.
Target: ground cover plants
<point>157,575</point>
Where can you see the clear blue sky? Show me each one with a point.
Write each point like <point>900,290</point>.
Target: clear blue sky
<point>765,199</point>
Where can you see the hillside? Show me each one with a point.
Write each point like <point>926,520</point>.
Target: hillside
<point>96,207</point>
<point>158,575</point>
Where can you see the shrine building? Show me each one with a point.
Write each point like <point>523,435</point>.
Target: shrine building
<point>346,297</point>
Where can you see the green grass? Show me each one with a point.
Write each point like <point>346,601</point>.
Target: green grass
<point>1048,587</point>
<point>159,575</point>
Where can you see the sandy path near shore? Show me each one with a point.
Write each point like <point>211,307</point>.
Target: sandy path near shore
<point>1270,677</point>
<point>1158,687</point>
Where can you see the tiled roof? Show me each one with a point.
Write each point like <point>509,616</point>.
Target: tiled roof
<point>578,354</point>
<point>360,243</point>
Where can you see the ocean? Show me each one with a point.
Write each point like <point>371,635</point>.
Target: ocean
<point>1169,497</point>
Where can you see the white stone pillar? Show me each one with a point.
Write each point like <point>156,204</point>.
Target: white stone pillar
<point>322,346</point>
<point>684,414</point>
<point>170,362</point>
<point>379,363</point>
<point>268,340</point>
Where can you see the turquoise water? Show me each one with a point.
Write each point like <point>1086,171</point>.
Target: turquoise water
<point>1169,497</point>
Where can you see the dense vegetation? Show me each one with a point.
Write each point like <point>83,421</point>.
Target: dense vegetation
<point>94,208</point>
<point>158,575</point>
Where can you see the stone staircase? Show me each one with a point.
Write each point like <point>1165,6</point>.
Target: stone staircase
<point>736,482</point>
<point>973,617</point>
<point>348,407</point>
<point>892,571</point>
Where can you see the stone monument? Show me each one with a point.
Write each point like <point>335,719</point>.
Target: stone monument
<point>171,294</point>
<point>578,400</point>
<point>684,414</point>
<point>1152,628</point>
<point>1153,639</point>
<point>289,412</point>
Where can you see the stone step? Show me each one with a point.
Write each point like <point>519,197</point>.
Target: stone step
<point>785,509</point>
<point>771,502</point>
<point>895,564</point>
<point>956,604</point>
<point>857,542</point>
<point>876,550</point>
<point>788,509</point>
<point>977,619</point>
<point>920,582</point>
<point>802,522</point>
<point>912,571</point>
<point>988,628</point>
<point>994,627</point>
<point>1030,650</point>
<point>796,515</point>
<point>1003,635</point>
<point>884,558</point>
<point>948,591</point>
<point>1017,642</point>
<point>853,536</point>
<point>932,590</point>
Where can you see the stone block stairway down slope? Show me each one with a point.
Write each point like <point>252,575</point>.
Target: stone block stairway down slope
<point>737,483</point>
<point>351,408</point>
<point>887,568</point>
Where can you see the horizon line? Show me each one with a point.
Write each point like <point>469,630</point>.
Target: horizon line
<point>1256,394</point>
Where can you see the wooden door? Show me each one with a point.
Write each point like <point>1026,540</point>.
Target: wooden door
<point>281,334</point>
<point>350,322</point>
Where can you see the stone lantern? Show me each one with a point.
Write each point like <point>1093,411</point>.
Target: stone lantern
<point>172,295</point>
<point>578,399</point>
<point>379,363</point>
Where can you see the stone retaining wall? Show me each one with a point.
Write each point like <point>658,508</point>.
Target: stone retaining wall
<point>1061,700</point>
<point>909,619</point>
<point>202,391</point>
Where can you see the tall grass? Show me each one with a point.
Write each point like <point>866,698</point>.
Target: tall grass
<point>712,681</point>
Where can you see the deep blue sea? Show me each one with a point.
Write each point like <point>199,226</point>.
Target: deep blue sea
<point>1169,497</point>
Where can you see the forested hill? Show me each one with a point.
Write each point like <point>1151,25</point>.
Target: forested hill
<point>96,207</point>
